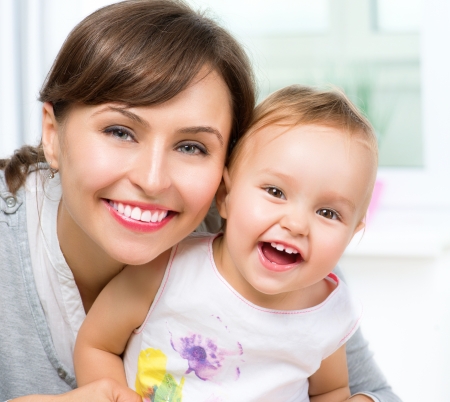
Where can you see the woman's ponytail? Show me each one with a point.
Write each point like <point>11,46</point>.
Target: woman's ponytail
<point>17,167</point>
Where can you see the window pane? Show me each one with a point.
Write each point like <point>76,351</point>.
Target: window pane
<point>398,15</point>
<point>263,17</point>
<point>333,42</point>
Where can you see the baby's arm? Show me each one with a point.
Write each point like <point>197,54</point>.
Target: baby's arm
<point>119,309</point>
<point>330,382</point>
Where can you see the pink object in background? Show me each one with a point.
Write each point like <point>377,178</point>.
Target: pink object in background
<point>375,201</point>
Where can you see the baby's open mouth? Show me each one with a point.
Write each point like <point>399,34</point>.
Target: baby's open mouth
<point>279,254</point>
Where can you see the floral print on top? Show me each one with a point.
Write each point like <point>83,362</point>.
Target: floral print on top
<point>153,383</point>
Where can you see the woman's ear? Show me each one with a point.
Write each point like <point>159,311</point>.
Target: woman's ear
<point>50,139</point>
<point>222,194</point>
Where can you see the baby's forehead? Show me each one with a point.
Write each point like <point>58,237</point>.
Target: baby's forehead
<point>264,135</point>
<point>269,135</point>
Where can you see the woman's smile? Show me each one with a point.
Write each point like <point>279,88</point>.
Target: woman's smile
<point>145,214</point>
<point>138,219</point>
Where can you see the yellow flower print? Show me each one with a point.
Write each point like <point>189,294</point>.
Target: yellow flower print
<point>152,381</point>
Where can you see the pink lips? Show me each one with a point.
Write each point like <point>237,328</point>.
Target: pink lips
<point>137,225</point>
<point>282,264</point>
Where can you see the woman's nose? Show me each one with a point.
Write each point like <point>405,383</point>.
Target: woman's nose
<point>152,173</point>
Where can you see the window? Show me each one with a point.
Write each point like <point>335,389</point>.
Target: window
<point>334,42</point>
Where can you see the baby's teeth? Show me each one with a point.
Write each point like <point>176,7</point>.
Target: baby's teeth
<point>120,208</point>
<point>127,211</point>
<point>146,216</point>
<point>280,247</point>
<point>136,213</point>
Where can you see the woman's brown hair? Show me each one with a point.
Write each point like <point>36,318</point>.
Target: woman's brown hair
<point>139,53</point>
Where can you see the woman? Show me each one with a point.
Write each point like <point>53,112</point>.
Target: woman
<point>141,108</point>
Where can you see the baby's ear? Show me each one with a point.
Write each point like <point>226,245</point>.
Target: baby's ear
<point>222,193</point>
<point>359,226</point>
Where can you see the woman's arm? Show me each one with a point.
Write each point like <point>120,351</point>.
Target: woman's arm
<point>330,382</point>
<point>120,308</point>
<point>365,376</point>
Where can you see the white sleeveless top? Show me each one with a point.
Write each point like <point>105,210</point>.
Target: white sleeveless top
<point>202,341</point>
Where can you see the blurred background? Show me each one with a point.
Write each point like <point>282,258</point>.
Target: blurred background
<point>393,59</point>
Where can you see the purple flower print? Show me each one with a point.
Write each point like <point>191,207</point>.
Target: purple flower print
<point>204,357</point>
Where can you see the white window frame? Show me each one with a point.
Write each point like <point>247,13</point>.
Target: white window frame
<point>428,187</point>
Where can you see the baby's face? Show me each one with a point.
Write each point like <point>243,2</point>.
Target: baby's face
<point>294,202</point>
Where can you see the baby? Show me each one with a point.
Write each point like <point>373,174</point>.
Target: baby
<point>255,313</point>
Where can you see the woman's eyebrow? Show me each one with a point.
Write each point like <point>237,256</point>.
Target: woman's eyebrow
<point>184,130</point>
<point>202,129</point>
<point>125,112</point>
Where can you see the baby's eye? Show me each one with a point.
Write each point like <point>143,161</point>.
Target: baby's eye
<point>119,132</point>
<point>328,213</point>
<point>191,149</point>
<point>275,192</point>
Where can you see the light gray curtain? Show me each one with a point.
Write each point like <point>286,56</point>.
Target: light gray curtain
<point>31,33</point>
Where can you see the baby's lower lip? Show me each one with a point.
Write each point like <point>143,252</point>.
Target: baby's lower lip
<point>276,261</point>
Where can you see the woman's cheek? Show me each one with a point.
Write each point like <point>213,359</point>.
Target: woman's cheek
<point>204,182</point>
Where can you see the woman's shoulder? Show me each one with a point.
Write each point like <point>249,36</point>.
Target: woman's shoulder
<point>10,204</point>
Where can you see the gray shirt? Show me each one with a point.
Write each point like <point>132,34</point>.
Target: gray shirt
<point>28,360</point>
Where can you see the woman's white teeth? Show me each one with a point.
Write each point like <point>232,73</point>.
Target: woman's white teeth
<point>280,247</point>
<point>137,214</point>
<point>146,216</point>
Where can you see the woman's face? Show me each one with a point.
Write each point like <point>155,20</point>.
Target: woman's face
<point>136,181</point>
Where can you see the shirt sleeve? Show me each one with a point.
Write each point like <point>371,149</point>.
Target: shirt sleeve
<point>375,399</point>
<point>364,374</point>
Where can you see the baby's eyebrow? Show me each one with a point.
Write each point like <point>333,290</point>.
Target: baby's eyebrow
<point>340,198</point>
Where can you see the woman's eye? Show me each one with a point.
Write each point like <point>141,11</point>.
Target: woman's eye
<point>328,213</point>
<point>120,133</point>
<point>275,192</point>
<point>191,149</point>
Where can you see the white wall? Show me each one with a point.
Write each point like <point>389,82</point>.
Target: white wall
<point>407,320</point>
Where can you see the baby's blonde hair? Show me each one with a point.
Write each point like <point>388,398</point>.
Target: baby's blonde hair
<point>302,105</point>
